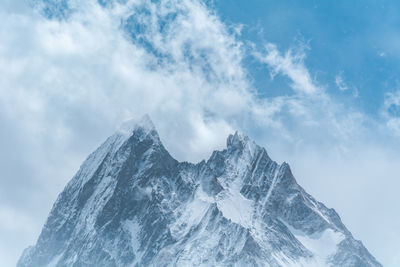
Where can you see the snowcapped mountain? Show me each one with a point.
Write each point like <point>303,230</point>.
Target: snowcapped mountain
<point>132,204</point>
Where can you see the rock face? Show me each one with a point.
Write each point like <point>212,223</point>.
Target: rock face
<point>132,204</point>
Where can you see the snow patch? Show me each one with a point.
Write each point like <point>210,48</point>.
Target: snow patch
<point>190,214</point>
<point>322,244</point>
<point>234,206</point>
<point>134,229</point>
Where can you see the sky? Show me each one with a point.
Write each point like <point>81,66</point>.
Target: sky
<point>314,82</point>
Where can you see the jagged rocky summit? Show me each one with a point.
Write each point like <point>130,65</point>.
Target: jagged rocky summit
<point>132,204</point>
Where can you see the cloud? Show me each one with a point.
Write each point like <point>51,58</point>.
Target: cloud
<point>291,65</point>
<point>335,148</point>
<point>68,81</point>
<point>391,111</point>
<point>343,86</point>
<point>66,84</point>
<point>310,116</point>
<point>92,61</point>
<point>340,83</point>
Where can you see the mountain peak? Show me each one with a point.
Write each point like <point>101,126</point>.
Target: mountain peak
<point>145,123</point>
<point>237,139</point>
<point>242,143</point>
<point>132,204</point>
<point>137,130</point>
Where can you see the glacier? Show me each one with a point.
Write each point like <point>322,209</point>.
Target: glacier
<point>132,204</point>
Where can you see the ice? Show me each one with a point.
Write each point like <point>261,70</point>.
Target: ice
<point>235,207</point>
<point>321,244</point>
<point>151,210</point>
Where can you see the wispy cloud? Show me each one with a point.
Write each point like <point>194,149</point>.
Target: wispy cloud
<point>290,64</point>
<point>66,83</point>
<point>343,86</point>
<point>340,83</point>
<point>93,63</point>
<point>391,111</point>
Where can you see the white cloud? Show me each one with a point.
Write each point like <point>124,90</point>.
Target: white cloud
<point>340,83</point>
<point>65,85</point>
<point>343,86</point>
<point>87,61</point>
<point>391,111</point>
<point>291,64</point>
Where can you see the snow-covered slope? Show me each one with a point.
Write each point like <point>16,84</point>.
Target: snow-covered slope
<point>132,204</point>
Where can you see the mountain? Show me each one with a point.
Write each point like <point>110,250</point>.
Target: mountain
<point>132,204</point>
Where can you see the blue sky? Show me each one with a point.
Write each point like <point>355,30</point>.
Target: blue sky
<point>314,82</point>
<point>356,40</point>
